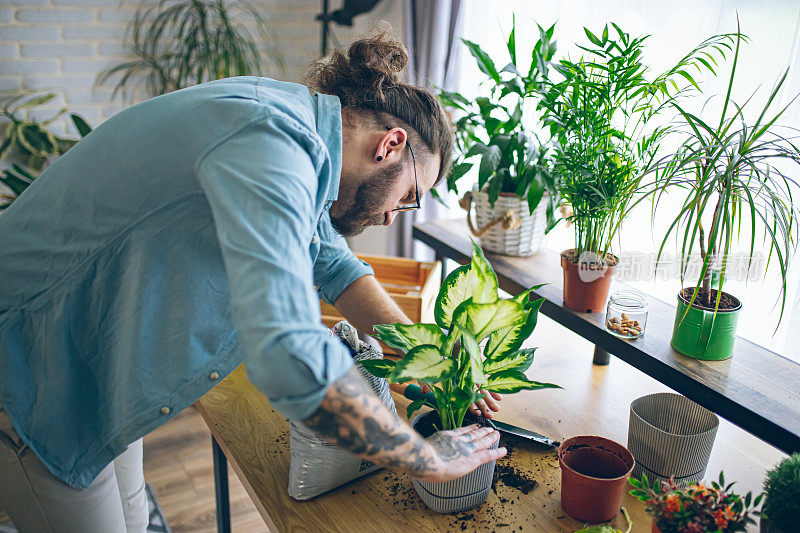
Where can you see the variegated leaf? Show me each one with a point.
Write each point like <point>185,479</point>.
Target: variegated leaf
<point>484,290</point>
<point>510,381</point>
<point>378,367</point>
<point>510,339</point>
<point>406,336</point>
<point>457,288</point>
<point>520,360</point>
<point>425,364</point>
<point>475,356</point>
<point>483,319</point>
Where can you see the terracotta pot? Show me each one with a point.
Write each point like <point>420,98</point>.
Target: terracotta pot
<point>655,528</point>
<point>586,286</point>
<point>594,476</point>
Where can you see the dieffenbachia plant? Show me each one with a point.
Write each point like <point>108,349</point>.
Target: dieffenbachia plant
<point>448,356</point>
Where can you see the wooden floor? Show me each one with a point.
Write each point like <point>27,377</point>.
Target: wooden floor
<point>178,464</point>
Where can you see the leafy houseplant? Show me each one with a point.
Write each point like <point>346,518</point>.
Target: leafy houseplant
<point>733,171</point>
<point>178,43</point>
<point>448,357</point>
<point>600,113</point>
<point>27,144</point>
<point>782,501</point>
<point>696,508</point>
<point>512,162</point>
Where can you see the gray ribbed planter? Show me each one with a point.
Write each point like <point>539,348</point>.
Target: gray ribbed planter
<point>670,435</point>
<point>459,494</point>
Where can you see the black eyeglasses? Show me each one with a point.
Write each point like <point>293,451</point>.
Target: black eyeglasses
<point>416,185</point>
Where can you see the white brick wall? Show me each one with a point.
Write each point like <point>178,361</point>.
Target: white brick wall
<point>61,45</point>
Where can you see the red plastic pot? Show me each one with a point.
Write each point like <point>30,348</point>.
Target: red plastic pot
<point>655,528</point>
<point>586,286</point>
<point>594,475</point>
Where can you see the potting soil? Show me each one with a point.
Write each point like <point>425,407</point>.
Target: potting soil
<point>317,467</point>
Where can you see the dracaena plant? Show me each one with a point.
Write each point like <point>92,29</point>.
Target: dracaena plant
<point>490,131</point>
<point>448,355</point>
<point>600,110</point>
<point>733,171</point>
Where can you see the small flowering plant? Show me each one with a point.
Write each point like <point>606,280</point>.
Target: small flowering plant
<point>696,508</point>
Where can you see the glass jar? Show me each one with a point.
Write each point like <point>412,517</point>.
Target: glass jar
<point>626,314</point>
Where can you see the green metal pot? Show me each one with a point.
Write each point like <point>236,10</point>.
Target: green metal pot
<point>702,335</point>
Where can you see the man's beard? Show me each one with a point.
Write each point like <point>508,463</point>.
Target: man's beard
<point>370,195</point>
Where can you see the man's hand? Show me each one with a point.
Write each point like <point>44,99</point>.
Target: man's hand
<point>353,418</point>
<point>483,407</point>
<point>460,451</point>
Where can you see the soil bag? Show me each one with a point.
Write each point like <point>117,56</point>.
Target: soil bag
<point>316,466</point>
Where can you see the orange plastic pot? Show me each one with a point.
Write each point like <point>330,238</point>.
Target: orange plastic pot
<point>586,286</point>
<point>594,475</point>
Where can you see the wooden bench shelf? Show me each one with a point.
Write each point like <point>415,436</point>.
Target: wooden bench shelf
<point>756,389</point>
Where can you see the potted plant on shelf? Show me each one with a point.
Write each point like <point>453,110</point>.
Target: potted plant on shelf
<point>514,197</point>
<point>781,510</point>
<point>734,171</point>
<point>600,113</point>
<point>448,357</point>
<point>679,508</point>
<point>27,145</point>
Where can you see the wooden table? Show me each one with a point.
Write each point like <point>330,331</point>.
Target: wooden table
<point>595,400</point>
<point>756,389</point>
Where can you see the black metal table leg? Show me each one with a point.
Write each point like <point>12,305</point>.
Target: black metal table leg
<point>442,259</point>
<point>221,488</point>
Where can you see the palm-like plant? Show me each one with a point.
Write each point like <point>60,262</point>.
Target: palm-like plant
<point>178,43</point>
<point>735,170</point>
<point>599,113</point>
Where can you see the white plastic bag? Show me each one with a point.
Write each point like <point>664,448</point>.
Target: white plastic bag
<point>316,466</point>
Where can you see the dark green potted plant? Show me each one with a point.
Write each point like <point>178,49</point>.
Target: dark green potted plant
<point>733,171</point>
<point>514,198</point>
<point>781,510</point>
<point>179,43</point>
<point>27,145</point>
<point>448,357</point>
<point>599,109</point>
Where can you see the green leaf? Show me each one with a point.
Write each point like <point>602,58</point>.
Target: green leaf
<point>489,163</point>
<point>413,407</point>
<point>39,100</point>
<point>378,367</point>
<point>425,364</point>
<point>592,37</point>
<point>475,356</point>
<point>81,125</point>
<point>520,360</point>
<point>407,336</point>
<point>512,45</point>
<point>485,280</point>
<point>510,339</point>
<point>485,64</point>
<point>456,173</point>
<point>457,288</point>
<point>482,320</point>
<point>510,381</point>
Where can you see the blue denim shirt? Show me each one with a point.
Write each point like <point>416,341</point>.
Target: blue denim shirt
<point>184,235</point>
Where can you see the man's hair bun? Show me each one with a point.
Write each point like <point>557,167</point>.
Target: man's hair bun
<point>372,64</point>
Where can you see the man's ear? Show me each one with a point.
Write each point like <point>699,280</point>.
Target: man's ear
<point>391,145</point>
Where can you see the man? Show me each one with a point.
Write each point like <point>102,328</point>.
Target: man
<point>187,234</point>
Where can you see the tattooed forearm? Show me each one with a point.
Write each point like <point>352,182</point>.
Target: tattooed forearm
<point>353,418</point>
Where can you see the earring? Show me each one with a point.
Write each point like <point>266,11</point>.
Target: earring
<point>379,158</point>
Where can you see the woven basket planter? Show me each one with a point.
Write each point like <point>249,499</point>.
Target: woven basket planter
<point>670,435</point>
<point>525,235</point>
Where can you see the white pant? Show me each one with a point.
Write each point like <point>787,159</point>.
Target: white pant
<point>37,501</point>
